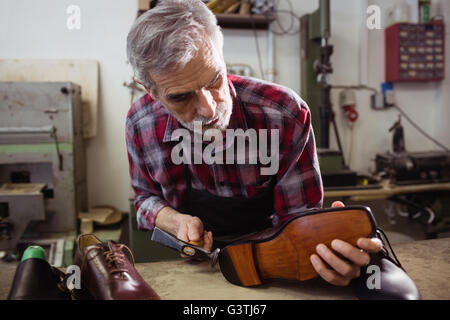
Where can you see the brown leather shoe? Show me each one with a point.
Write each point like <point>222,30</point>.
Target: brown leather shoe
<point>107,273</point>
<point>283,252</point>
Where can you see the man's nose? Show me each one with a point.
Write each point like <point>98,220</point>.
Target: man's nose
<point>206,105</point>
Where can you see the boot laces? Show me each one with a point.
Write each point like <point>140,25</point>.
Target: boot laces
<point>114,258</point>
<point>381,233</point>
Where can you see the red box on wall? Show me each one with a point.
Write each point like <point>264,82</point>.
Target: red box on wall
<point>415,52</point>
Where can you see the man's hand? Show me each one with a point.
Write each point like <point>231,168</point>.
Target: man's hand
<point>185,227</point>
<point>191,230</point>
<point>331,264</point>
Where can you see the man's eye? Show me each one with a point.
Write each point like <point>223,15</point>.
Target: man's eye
<point>180,97</point>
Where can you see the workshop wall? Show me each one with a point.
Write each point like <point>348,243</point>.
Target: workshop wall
<point>346,16</point>
<point>37,30</point>
<point>358,58</point>
<point>427,103</point>
<point>240,46</point>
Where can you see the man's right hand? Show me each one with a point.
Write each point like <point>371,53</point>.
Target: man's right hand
<point>186,227</point>
<point>191,230</point>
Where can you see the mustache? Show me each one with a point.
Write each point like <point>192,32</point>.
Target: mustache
<point>221,110</point>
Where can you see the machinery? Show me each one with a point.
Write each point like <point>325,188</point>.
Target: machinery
<point>402,167</point>
<point>414,167</point>
<point>405,168</point>
<point>42,160</point>
<point>315,90</point>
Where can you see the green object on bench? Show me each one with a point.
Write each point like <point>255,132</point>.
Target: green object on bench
<point>34,252</point>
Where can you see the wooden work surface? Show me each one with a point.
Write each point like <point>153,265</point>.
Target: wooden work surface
<point>427,262</point>
<point>386,191</point>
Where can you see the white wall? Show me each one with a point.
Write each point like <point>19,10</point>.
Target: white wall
<point>37,30</point>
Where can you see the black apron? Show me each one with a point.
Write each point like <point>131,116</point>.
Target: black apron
<point>230,218</point>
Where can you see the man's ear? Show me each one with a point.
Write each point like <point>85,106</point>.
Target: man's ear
<point>146,89</point>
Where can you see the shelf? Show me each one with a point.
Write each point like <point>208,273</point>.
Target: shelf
<point>244,21</point>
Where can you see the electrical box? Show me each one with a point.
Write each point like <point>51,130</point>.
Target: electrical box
<point>415,52</point>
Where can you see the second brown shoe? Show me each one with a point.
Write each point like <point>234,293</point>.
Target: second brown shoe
<point>107,273</point>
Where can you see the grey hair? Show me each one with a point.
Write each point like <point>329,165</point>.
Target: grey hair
<point>166,37</point>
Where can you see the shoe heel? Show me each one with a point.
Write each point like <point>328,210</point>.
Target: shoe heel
<point>238,266</point>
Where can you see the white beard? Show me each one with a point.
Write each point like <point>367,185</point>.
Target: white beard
<point>223,112</point>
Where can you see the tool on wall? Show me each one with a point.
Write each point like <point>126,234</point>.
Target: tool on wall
<point>347,101</point>
<point>398,138</point>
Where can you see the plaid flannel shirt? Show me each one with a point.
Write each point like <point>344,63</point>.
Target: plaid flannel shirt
<point>158,182</point>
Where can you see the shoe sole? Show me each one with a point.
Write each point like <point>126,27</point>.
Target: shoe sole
<point>285,255</point>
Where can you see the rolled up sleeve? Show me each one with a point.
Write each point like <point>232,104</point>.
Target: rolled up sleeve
<point>148,199</point>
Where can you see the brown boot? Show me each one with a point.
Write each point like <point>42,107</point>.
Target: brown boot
<point>283,252</point>
<point>107,273</point>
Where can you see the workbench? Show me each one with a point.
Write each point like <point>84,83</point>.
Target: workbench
<point>427,262</point>
<point>385,190</point>
<point>431,200</point>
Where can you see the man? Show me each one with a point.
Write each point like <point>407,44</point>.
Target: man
<point>176,53</point>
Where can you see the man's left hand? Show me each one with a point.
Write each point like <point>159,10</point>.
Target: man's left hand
<point>329,262</point>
